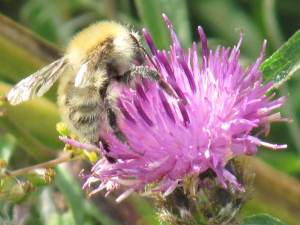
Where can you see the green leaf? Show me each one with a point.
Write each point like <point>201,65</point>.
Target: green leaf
<point>79,206</point>
<point>287,161</point>
<point>20,57</point>
<point>177,12</point>
<point>98,215</point>
<point>145,209</point>
<point>27,123</point>
<point>45,18</point>
<point>15,62</point>
<point>284,62</point>
<point>262,219</point>
<point>7,147</point>
<point>257,206</point>
<point>151,15</point>
<point>72,192</point>
<point>22,52</point>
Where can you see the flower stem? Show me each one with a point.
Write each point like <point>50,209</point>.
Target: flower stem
<point>64,158</point>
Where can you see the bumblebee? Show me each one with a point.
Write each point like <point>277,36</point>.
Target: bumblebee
<point>103,52</point>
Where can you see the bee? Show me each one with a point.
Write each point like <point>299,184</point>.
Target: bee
<point>98,55</point>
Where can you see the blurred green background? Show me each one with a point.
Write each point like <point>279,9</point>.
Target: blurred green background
<point>28,132</point>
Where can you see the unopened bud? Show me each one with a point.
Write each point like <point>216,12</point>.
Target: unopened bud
<point>41,176</point>
<point>15,190</point>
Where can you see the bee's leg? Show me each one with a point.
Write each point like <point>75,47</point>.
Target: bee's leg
<point>147,72</point>
<point>106,148</point>
<point>112,118</point>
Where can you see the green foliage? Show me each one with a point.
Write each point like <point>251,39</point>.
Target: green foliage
<point>284,62</point>
<point>227,21</point>
<point>7,147</point>
<point>287,162</point>
<point>262,219</point>
<point>81,208</point>
<point>72,193</point>
<point>151,15</point>
<point>146,210</point>
<point>27,122</point>
<point>11,56</point>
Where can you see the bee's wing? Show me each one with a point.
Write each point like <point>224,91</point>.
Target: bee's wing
<point>37,83</point>
<point>86,76</point>
<point>83,76</point>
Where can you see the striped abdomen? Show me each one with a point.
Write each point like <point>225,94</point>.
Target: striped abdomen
<point>82,110</point>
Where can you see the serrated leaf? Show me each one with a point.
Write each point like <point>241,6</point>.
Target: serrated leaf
<point>262,219</point>
<point>280,66</point>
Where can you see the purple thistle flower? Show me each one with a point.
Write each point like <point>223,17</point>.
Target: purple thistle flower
<point>169,140</point>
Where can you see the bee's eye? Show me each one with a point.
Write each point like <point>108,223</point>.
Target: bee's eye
<point>111,68</point>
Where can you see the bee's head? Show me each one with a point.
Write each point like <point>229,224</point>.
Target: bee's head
<point>126,50</point>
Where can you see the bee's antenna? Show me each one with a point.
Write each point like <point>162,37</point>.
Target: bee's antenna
<point>161,81</point>
<point>142,48</point>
